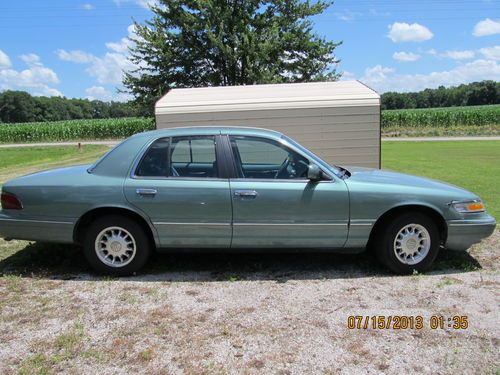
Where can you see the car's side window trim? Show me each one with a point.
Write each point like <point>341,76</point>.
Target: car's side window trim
<point>234,175</point>
<point>190,138</point>
<point>137,163</point>
<point>222,169</point>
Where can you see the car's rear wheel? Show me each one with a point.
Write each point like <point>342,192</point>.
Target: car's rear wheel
<point>116,245</point>
<point>409,242</point>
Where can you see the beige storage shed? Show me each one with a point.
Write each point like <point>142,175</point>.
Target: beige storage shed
<point>339,121</point>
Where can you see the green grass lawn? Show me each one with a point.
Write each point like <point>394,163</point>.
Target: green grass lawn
<point>20,161</point>
<point>474,165</point>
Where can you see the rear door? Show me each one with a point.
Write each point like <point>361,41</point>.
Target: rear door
<point>180,185</point>
<point>275,205</point>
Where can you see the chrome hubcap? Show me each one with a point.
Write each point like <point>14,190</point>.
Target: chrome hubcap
<point>412,244</point>
<point>115,247</point>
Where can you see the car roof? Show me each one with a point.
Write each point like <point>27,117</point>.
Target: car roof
<point>210,130</point>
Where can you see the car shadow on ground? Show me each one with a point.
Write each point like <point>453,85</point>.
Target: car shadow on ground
<point>63,262</point>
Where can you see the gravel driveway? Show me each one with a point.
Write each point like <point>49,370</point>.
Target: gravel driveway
<point>244,314</point>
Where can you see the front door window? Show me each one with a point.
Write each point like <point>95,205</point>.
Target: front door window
<point>260,158</point>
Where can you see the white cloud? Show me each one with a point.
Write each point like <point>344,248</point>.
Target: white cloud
<point>491,53</point>
<point>4,60</point>
<point>347,15</point>
<point>377,75</point>
<point>376,13</point>
<point>123,45</point>
<point>75,56</point>
<point>47,91</point>
<point>487,27</point>
<point>405,56</point>
<point>31,59</point>
<point>88,6</point>
<point>459,55</point>
<point>108,69</point>
<point>404,32</point>
<point>385,79</point>
<point>101,93</point>
<point>143,3</point>
<point>36,78</point>
<point>98,93</point>
<point>347,76</point>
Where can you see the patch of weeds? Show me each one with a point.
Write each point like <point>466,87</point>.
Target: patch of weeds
<point>146,355</point>
<point>70,341</point>
<point>214,368</point>
<point>152,292</point>
<point>93,355</point>
<point>445,281</point>
<point>224,276</point>
<point>37,364</point>
<point>128,298</point>
<point>44,303</point>
<point>416,275</point>
<point>14,283</point>
<point>469,266</point>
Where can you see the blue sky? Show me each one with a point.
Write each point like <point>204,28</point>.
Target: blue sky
<point>78,48</point>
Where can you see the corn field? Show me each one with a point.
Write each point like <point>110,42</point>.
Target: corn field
<point>74,130</point>
<point>442,117</point>
<point>479,120</point>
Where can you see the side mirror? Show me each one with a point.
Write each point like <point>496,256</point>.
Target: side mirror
<point>314,173</point>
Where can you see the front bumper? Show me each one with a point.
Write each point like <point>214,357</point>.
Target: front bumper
<point>462,234</point>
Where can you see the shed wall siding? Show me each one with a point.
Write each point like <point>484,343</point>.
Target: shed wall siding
<point>341,135</point>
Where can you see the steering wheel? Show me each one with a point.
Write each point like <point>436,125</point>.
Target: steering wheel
<point>283,167</point>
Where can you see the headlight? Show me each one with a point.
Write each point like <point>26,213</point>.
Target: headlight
<point>468,206</point>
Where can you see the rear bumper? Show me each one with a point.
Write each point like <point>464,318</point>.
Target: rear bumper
<point>35,230</point>
<point>462,234</point>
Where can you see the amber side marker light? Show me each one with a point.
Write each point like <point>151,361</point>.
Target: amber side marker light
<point>465,207</point>
<point>10,202</point>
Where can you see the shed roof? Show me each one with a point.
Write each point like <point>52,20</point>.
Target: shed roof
<point>262,97</point>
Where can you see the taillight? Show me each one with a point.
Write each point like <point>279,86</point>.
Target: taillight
<point>10,202</point>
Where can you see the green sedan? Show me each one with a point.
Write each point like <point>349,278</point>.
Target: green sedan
<point>237,188</point>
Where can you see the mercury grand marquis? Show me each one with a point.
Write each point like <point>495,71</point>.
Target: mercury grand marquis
<point>237,188</point>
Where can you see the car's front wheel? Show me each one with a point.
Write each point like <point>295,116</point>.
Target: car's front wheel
<point>116,245</point>
<point>410,242</point>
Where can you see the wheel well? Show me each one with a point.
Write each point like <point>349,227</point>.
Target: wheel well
<point>84,222</point>
<point>396,211</point>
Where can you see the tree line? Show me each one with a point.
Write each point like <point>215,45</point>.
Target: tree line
<point>476,93</point>
<point>19,106</point>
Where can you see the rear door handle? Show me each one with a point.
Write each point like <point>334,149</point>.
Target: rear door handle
<point>246,194</point>
<point>146,192</point>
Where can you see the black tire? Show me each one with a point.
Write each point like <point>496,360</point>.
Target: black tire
<point>137,235</point>
<point>385,245</point>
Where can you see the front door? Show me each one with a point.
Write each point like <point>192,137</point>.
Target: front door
<point>275,205</point>
<point>178,185</point>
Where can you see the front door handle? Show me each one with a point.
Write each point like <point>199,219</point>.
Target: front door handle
<point>245,194</point>
<point>146,192</point>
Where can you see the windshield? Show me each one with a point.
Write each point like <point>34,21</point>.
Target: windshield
<point>338,171</point>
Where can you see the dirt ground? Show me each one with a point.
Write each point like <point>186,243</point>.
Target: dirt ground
<point>244,314</point>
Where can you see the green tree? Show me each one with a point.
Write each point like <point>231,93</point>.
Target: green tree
<point>193,43</point>
<point>17,106</point>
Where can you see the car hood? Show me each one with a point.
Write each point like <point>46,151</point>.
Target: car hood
<point>387,177</point>
<point>50,176</point>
